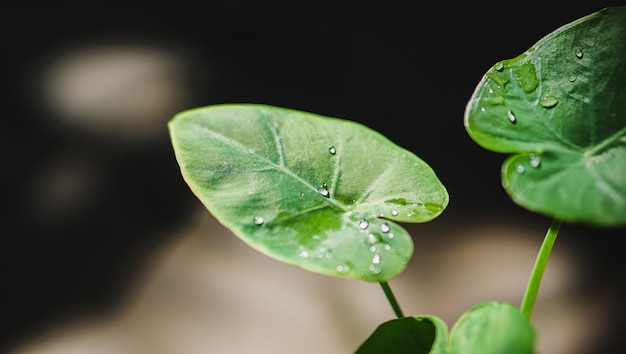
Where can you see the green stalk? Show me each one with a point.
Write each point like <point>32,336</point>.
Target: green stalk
<point>528,303</point>
<point>392,299</point>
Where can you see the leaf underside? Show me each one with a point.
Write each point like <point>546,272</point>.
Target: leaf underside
<point>407,335</point>
<point>321,193</point>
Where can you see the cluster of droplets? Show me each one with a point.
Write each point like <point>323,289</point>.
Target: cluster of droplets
<point>546,101</point>
<point>323,189</point>
<point>534,161</point>
<point>378,242</point>
<point>410,209</point>
<point>322,252</point>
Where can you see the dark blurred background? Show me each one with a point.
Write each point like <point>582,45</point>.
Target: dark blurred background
<point>90,180</point>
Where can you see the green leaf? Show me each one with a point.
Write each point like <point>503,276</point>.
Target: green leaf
<point>322,193</point>
<point>560,108</point>
<point>408,335</point>
<point>492,328</point>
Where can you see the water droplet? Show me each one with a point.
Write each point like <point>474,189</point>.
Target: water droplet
<point>373,249</point>
<point>363,224</point>
<point>258,220</point>
<point>301,195</point>
<point>526,76</point>
<point>390,236</point>
<point>304,254</point>
<point>572,78</point>
<point>548,101</point>
<point>323,191</point>
<point>520,168</point>
<point>387,246</point>
<point>342,268</point>
<point>499,66</point>
<point>332,150</point>
<point>374,269</point>
<point>535,160</point>
<point>376,259</point>
<point>511,116</point>
<point>372,239</point>
<point>324,252</point>
<point>394,212</point>
<point>579,53</point>
<point>384,227</point>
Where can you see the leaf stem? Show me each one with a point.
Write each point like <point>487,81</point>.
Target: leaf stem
<point>528,303</point>
<point>392,299</point>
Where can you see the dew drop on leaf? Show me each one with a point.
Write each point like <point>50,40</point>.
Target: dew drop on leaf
<point>579,53</point>
<point>258,220</point>
<point>499,66</point>
<point>374,269</point>
<point>372,239</point>
<point>548,101</point>
<point>323,191</point>
<point>332,150</point>
<point>394,212</point>
<point>324,252</point>
<point>511,116</point>
<point>376,259</point>
<point>535,160</point>
<point>384,227</point>
<point>520,168</point>
<point>363,224</point>
<point>572,78</point>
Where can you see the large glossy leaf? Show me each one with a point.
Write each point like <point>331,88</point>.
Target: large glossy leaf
<point>560,107</point>
<point>492,328</point>
<point>408,335</point>
<point>321,193</point>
